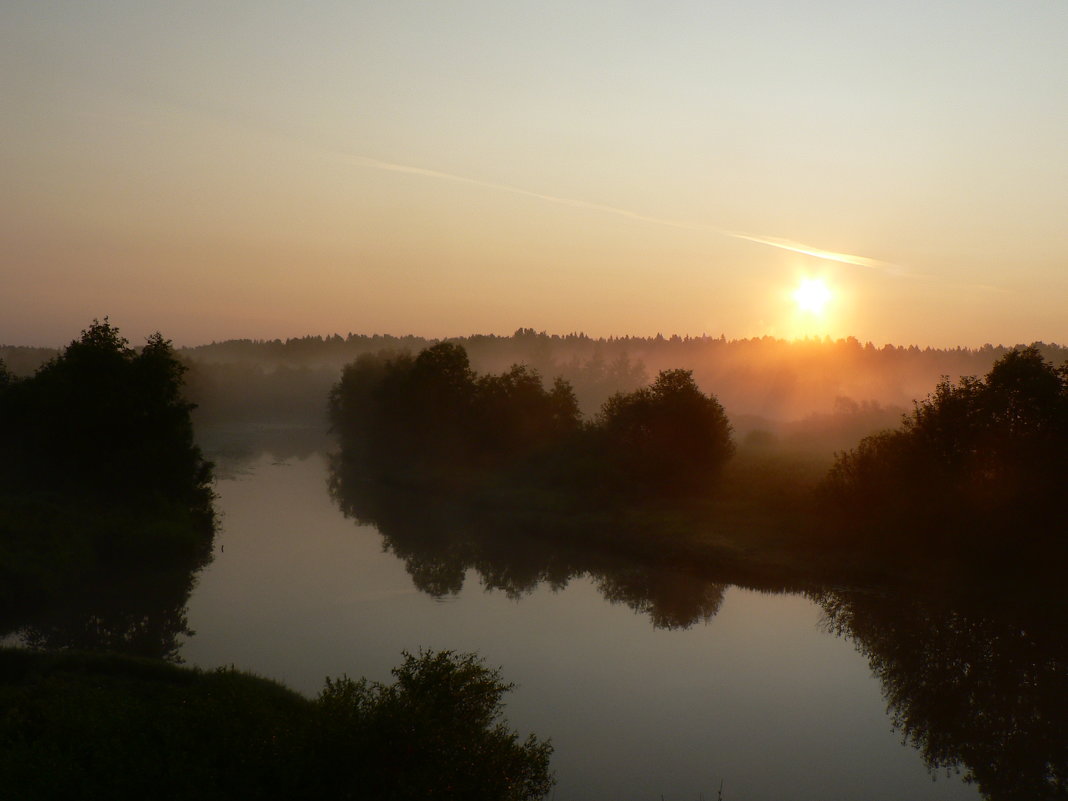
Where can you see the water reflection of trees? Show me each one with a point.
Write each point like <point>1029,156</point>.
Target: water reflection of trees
<point>515,550</point>
<point>137,612</point>
<point>975,685</point>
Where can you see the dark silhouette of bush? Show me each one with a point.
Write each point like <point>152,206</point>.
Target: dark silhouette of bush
<point>436,732</point>
<point>76,725</point>
<point>983,455</point>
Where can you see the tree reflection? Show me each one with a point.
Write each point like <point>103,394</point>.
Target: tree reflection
<point>515,549</point>
<point>979,685</point>
<point>134,611</point>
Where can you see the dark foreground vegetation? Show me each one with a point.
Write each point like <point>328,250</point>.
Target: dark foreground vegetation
<point>78,725</point>
<point>99,470</point>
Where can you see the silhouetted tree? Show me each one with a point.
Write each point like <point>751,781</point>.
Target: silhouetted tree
<point>98,467</point>
<point>669,436</point>
<point>433,419</point>
<point>983,455</point>
<point>103,419</point>
<point>515,415</point>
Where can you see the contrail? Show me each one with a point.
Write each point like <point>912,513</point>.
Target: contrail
<point>809,250</point>
<point>775,242</point>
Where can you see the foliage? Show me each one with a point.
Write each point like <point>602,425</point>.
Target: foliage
<point>431,419</point>
<point>436,732</point>
<point>98,465</point>
<point>669,437</point>
<point>104,727</point>
<point>103,418</point>
<point>983,454</point>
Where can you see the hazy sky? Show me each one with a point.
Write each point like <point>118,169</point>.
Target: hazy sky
<point>263,169</point>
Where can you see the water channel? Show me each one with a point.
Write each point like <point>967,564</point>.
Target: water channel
<point>749,693</point>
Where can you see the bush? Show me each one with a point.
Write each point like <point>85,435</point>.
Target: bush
<point>982,455</point>
<point>435,733</point>
<point>103,419</point>
<point>101,727</point>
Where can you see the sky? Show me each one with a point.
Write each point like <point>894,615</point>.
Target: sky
<point>265,169</point>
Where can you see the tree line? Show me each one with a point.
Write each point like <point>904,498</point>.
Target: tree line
<point>431,419</point>
<point>979,464</point>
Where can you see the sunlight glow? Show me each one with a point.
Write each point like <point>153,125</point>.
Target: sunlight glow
<point>812,296</point>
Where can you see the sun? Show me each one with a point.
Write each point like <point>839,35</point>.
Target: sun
<point>812,296</point>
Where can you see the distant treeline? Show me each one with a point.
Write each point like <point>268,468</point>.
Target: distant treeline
<point>775,378</point>
<point>815,392</point>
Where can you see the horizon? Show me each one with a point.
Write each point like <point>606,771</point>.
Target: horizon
<point>136,341</point>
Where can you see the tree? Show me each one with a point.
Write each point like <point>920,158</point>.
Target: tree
<point>432,418</point>
<point>103,419</point>
<point>99,471</point>
<point>515,415</point>
<point>980,454</point>
<point>669,436</point>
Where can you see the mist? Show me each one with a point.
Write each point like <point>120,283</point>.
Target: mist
<point>821,395</point>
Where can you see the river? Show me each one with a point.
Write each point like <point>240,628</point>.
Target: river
<point>756,699</point>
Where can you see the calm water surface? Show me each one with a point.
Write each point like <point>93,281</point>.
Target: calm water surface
<point>759,696</point>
